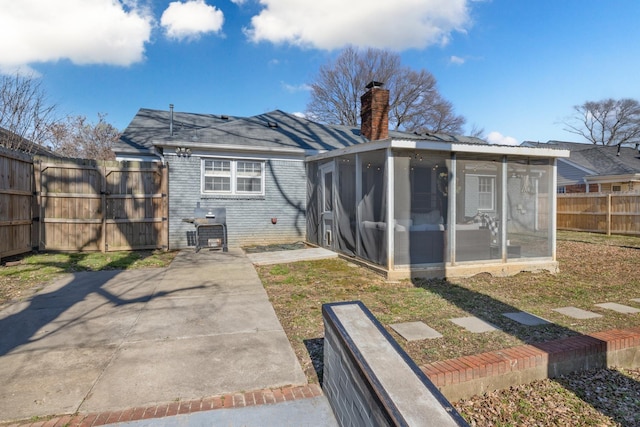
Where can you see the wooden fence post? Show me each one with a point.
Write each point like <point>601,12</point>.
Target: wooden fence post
<point>102,173</point>
<point>164,189</point>
<point>35,207</point>
<point>609,214</point>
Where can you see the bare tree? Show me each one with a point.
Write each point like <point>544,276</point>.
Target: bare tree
<point>607,122</point>
<point>415,103</point>
<point>76,137</point>
<point>25,114</point>
<point>477,132</point>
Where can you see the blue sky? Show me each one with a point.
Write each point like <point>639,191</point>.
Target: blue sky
<point>515,68</point>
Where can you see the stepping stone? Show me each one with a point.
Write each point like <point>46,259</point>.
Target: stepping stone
<point>625,309</point>
<point>577,313</point>
<point>414,331</point>
<point>526,318</point>
<point>474,324</point>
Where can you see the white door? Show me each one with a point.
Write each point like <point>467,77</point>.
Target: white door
<point>326,205</point>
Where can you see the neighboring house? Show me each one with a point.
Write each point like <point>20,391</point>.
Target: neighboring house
<point>15,142</point>
<point>595,168</point>
<point>408,204</point>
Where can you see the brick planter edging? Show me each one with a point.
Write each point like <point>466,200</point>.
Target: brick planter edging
<point>471,375</point>
<point>225,401</point>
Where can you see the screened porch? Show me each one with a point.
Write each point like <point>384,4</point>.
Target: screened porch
<point>421,208</point>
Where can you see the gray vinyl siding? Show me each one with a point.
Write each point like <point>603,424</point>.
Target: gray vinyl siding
<point>248,217</point>
<point>569,174</point>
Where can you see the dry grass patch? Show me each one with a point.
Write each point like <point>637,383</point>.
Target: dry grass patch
<point>594,269</point>
<point>590,274</point>
<point>606,397</point>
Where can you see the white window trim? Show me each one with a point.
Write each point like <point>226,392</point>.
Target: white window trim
<point>234,183</point>
<point>493,192</point>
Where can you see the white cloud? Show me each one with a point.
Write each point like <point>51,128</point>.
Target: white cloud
<point>331,24</point>
<point>296,88</point>
<point>83,31</point>
<point>456,60</point>
<point>191,19</point>
<point>499,139</point>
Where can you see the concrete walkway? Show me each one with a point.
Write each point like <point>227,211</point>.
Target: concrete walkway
<point>284,257</point>
<point>106,341</point>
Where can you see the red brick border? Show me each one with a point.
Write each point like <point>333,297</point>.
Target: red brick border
<point>441,373</point>
<point>230,400</point>
<point>467,368</point>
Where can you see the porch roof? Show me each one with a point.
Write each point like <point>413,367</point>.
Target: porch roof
<point>468,145</point>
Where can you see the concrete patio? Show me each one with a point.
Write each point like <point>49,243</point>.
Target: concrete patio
<point>104,341</point>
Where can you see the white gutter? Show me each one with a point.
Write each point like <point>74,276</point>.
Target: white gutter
<point>613,178</point>
<point>456,147</point>
<point>480,148</point>
<point>235,148</point>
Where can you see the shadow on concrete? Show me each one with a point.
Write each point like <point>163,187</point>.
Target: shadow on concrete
<point>24,322</point>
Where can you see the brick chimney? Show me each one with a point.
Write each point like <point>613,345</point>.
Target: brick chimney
<point>374,112</point>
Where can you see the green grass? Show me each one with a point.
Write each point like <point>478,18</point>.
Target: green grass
<point>33,271</point>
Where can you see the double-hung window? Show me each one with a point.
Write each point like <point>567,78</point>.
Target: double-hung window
<point>486,188</point>
<point>232,176</point>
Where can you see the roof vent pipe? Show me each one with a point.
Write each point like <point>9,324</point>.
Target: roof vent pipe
<point>170,119</point>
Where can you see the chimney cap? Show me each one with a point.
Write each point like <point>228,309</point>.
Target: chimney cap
<point>373,84</point>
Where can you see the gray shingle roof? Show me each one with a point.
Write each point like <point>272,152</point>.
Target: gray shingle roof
<point>600,159</point>
<point>274,130</point>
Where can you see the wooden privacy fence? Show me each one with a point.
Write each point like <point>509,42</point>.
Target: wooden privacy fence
<point>610,213</point>
<point>81,205</point>
<point>101,206</point>
<point>16,194</point>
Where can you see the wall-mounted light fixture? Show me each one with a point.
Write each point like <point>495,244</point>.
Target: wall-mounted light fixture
<point>183,152</point>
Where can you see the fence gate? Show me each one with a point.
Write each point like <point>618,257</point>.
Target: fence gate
<point>101,206</point>
<point>16,193</point>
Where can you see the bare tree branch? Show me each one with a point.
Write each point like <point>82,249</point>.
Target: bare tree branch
<point>76,137</point>
<point>607,122</point>
<point>24,113</point>
<point>415,104</point>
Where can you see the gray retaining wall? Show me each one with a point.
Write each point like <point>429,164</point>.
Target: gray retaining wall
<point>369,380</point>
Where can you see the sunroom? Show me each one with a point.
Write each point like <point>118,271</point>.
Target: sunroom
<point>431,207</point>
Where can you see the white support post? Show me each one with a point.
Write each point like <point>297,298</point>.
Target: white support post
<point>390,178</point>
<point>503,209</point>
<point>553,209</point>
<point>358,201</point>
<point>451,220</point>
